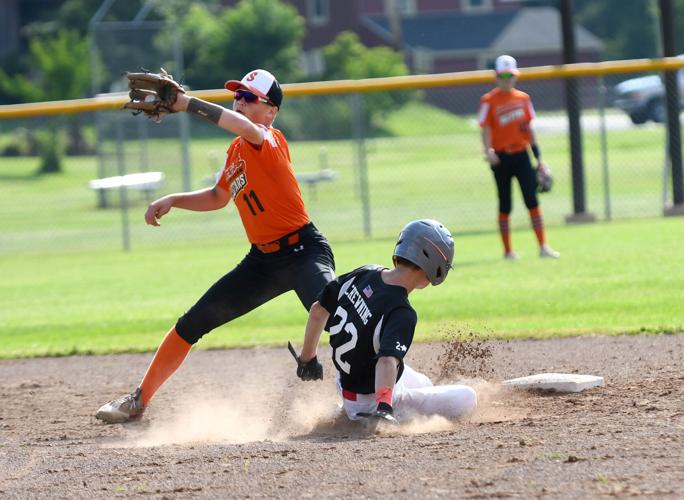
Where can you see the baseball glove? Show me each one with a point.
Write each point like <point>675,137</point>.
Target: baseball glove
<point>307,370</point>
<point>152,93</point>
<point>544,178</point>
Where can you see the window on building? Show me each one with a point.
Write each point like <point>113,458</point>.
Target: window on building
<point>312,63</point>
<point>319,11</point>
<point>477,5</point>
<point>407,7</point>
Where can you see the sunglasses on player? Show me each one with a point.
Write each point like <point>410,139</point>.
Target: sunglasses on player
<point>505,76</point>
<point>250,98</point>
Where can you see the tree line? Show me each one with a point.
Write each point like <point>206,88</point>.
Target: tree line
<point>55,62</point>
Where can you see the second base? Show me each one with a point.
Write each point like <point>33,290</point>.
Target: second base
<point>559,382</point>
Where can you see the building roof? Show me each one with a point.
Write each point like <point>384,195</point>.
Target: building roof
<point>517,30</point>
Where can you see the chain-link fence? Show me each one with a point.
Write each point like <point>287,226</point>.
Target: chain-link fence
<point>394,155</point>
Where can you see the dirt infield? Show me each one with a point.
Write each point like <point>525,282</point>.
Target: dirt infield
<point>239,424</point>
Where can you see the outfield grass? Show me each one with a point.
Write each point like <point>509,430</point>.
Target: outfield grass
<point>619,277</point>
<point>68,288</point>
<point>431,166</point>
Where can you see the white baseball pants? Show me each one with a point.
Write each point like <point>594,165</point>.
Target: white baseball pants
<point>413,395</point>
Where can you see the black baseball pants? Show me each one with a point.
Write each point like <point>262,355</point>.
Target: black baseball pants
<point>305,267</point>
<point>515,165</point>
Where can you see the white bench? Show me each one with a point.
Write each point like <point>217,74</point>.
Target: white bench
<point>311,179</point>
<point>146,182</point>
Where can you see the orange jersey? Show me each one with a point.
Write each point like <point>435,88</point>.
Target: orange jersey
<point>263,186</point>
<point>508,116</point>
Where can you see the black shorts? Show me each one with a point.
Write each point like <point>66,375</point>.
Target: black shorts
<point>515,165</point>
<point>303,262</point>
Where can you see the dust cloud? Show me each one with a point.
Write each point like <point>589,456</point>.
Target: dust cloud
<point>286,411</point>
<point>243,416</point>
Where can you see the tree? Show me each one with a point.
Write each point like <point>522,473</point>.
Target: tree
<point>628,29</point>
<point>347,58</point>
<point>255,33</point>
<point>60,69</point>
<point>76,14</point>
<point>678,7</point>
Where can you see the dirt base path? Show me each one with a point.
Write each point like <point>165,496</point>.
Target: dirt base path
<point>239,424</point>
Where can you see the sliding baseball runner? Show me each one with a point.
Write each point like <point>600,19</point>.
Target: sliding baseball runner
<point>372,324</point>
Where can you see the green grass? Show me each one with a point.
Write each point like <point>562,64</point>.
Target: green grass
<point>432,166</point>
<point>620,277</point>
<point>67,287</point>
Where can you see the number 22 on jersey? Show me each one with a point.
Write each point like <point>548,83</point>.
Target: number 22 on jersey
<point>347,346</point>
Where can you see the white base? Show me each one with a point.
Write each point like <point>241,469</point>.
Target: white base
<point>559,382</point>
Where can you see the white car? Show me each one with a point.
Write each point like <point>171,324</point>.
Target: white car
<point>643,98</point>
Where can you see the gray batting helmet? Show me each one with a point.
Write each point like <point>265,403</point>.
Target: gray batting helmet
<point>429,245</point>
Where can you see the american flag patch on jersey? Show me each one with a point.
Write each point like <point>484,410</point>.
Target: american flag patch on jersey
<point>368,291</point>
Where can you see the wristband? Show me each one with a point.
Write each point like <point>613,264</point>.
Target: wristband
<point>383,395</point>
<point>206,110</point>
<point>535,151</point>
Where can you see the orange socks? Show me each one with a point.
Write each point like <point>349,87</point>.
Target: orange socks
<point>170,355</point>
<point>538,225</point>
<point>505,231</point>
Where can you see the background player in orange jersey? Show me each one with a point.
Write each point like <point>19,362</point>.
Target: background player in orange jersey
<point>505,117</point>
<point>287,251</point>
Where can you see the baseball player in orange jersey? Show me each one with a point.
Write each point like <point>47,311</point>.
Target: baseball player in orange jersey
<point>287,251</point>
<point>505,117</point>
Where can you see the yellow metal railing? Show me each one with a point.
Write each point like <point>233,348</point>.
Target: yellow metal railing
<point>116,101</point>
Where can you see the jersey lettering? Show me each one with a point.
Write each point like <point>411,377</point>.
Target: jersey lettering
<point>238,184</point>
<point>511,116</point>
<point>359,304</point>
<point>236,176</point>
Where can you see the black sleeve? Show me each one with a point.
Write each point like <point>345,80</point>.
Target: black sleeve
<point>397,332</point>
<point>328,296</point>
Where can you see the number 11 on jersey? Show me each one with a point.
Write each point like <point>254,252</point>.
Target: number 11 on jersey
<point>254,197</point>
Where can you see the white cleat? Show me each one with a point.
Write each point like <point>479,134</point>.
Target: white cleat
<point>546,252</point>
<point>511,255</point>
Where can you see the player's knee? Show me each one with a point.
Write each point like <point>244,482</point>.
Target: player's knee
<point>531,203</point>
<point>505,206</point>
<point>192,327</point>
<point>468,400</point>
<point>463,401</point>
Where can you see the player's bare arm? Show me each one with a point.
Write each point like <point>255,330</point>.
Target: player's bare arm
<point>534,147</point>
<point>318,317</point>
<point>203,200</point>
<point>490,154</point>
<point>386,371</point>
<point>239,122</point>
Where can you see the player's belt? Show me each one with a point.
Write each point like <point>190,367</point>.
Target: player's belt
<point>286,241</point>
<point>510,151</point>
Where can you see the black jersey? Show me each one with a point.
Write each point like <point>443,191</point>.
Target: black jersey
<point>368,319</point>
